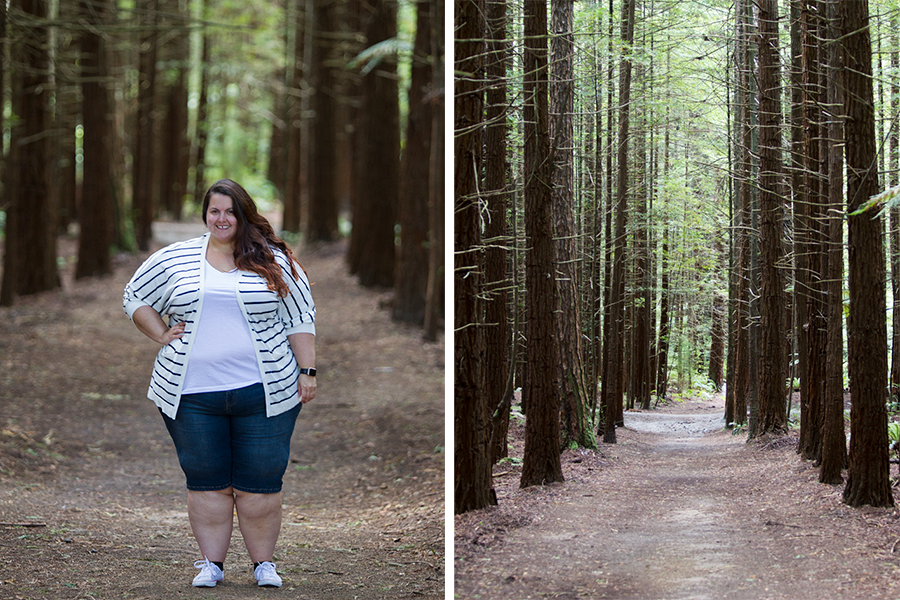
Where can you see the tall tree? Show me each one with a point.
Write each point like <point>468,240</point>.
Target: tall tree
<point>496,229</point>
<point>96,235</point>
<point>574,403</point>
<point>834,441</point>
<point>174,146</point>
<point>323,198</point>
<point>202,130</point>
<point>772,414</point>
<point>294,167</point>
<point>868,480</point>
<point>143,178</point>
<point>744,59</point>
<point>378,164</point>
<point>472,461</point>
<point>813,323</point>
<point>894,170</point>
<point>434,296</point>
<point>30,250</point>
<point>411,278</point>
<point>614,352</point>
<point>541,462</point>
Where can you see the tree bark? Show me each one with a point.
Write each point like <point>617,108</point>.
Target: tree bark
<point>143,180</point>
<point>411,279</point>
<point>575,423</point>
<point>378,167</point>
<point>612,383</point>
<point>496,230</point>
<point>434,299</point>
<point>541,462</point>
<point>323,198</point>
<point>294,167</point>
<point>772,416</point>
<point>868,479</point>
<point>97,226</point>
<point>30,247</point>
<point>472,435</point>
<point>834,441</point>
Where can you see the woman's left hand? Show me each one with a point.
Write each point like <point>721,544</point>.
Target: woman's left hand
<point>307,388</point>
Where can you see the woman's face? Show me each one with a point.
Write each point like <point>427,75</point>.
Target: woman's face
<point>220,218</point>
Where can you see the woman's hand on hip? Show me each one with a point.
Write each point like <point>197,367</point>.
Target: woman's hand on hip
<point>172,333</point>
<point>307,388</point>
<point>151,324</point>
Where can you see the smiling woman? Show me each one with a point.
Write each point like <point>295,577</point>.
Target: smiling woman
<point>235,319</point>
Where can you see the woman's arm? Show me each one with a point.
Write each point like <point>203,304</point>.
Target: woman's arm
<point>151,324</point>
<point>303,346</point>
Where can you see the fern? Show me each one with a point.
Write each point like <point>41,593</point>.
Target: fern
<point>374,54</point>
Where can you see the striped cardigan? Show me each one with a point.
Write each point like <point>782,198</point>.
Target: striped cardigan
<point>172,282</point>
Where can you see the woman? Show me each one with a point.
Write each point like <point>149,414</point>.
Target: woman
<point>235,319</point>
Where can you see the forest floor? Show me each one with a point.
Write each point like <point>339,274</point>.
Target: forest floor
<point>92,500</point>
<point>678,508</point>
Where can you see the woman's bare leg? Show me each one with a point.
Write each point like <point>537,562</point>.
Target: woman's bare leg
<point>212,521</point>
<point>259,517</point>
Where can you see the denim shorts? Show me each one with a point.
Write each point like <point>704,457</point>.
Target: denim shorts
<point>225,439</point>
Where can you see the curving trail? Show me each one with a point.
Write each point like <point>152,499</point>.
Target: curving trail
<point>678,509</point>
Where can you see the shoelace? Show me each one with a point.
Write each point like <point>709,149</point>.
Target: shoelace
<point>266,570</point>
<point>204,566</point>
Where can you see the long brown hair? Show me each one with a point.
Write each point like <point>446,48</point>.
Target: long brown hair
<point>255,237</point>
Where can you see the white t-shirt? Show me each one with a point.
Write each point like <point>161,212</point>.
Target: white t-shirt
<point>223,357</point>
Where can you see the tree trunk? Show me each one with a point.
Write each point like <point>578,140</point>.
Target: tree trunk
<point>378,167</point>
<point>772,417</point>
<point>496,257</point>
<point>323,198</point>
<point>742,353</point>
<point>435,295</point>
<point>893,169</point>
<point>834,441</point>
<point>541,463</point>
<point>575,424</point>
<point>96,235</point>
<point>294,168</point>
<point>472,436</point>
<point>612,386</point>
<point>143,180</point>
<point>641,299</point>
<point>662,356</point>
<point>411,277</point>
<point>868,479</point>
<point>202,130</point>
<point>30,247</point>
<point>813,323</point>
<point>175,148</point>
<point>717,344</point>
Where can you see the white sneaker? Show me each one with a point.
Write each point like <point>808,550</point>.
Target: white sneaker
<point>209,574</point>
<point>266,576</point>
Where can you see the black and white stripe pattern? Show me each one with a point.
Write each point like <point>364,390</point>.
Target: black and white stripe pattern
<point>171,281</point>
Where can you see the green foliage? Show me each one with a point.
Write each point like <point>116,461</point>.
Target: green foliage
<point>894,432</point>
<point>376,53</point>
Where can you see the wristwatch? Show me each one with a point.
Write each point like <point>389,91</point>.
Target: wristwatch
<point>311,371</point>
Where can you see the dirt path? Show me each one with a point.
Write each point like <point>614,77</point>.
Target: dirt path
<point>678,508</point>
<point>86,462</point>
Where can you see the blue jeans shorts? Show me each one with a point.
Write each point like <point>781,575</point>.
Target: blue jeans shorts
<point>225,439</point>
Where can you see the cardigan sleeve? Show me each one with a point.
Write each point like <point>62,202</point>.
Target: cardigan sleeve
<point>146,286</point>
<point>297,310</point>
